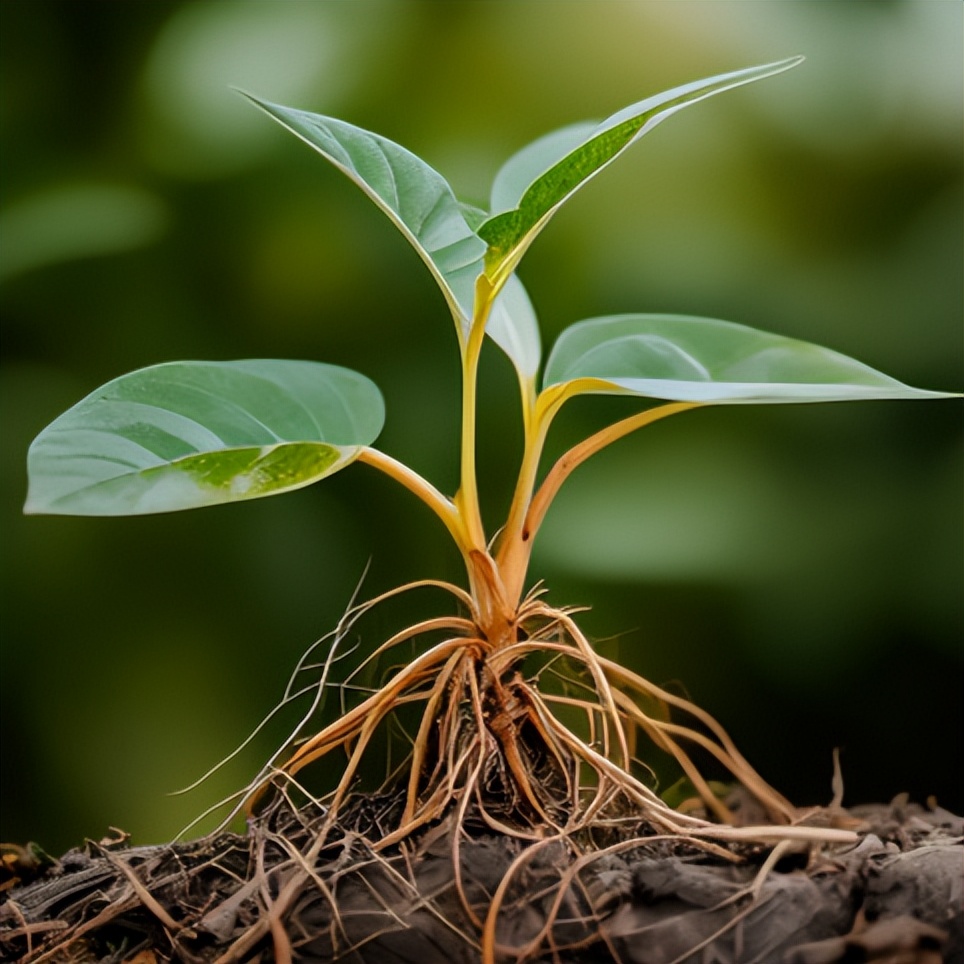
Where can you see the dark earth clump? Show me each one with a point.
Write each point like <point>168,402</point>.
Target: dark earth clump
<point>299,887</point>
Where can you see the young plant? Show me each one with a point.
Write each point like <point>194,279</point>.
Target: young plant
<point>188,434</point>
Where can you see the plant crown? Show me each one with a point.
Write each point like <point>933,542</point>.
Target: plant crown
<point>187,434</point>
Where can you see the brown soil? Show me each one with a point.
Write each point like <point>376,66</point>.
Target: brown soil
<point>629,896</point>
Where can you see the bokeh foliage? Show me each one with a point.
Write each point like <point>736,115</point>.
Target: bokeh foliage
<point>798,570</point>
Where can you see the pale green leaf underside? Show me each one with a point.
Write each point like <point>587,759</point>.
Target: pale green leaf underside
<point>187,434</point>
<point>415,197</point>
<point>685,359</point>
<point>420,202</point>
<point>513,326</point>
<point>509,232</point>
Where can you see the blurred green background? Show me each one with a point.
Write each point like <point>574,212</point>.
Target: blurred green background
<point>798,569</point>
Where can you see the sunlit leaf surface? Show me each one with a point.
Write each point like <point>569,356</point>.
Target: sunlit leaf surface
<point>189,434</point>
<point>687,359</point>
<point>520,170</point>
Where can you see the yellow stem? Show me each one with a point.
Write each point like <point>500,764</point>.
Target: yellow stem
<point>579,453</point>
<point>511,557</point>
<point>443,507</point>
<point>467,497</point>
<point>516,549</point>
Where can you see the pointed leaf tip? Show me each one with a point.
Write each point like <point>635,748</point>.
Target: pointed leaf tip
<point>536,181</point>
<point>703,360</point>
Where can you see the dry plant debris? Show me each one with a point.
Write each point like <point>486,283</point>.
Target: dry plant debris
<point>457,892</point>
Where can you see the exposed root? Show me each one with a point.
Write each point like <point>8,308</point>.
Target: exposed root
<point>488,732</point>
<point>533,738</point>
<point>548,766</point>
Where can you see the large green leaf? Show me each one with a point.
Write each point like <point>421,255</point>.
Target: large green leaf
<point>420,202</point>
<point>686,359</point>
<point>415,197</point>
<point>187,434</point>
<point>533,192</point>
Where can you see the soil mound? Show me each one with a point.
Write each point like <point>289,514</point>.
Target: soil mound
<point>298,887</point>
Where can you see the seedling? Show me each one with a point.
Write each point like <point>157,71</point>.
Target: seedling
<point>189,434</point>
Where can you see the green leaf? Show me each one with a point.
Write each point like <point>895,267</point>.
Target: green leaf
<point>535,192</point>
<point>686,359</point>
<point>473,214</point>
<point>415,197</point>
<point>420,202</point>
<point>513,326</point>
<point>187,434</point>
<point>520,170</point>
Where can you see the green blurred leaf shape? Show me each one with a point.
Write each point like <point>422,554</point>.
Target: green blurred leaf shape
<point>686,359</point>
<point>421,204</point>
<point>537,180</point>
<point>187,434</point>
<point>72,221</point>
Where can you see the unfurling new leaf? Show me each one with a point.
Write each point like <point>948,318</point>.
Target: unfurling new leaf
<point>535,183</point>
